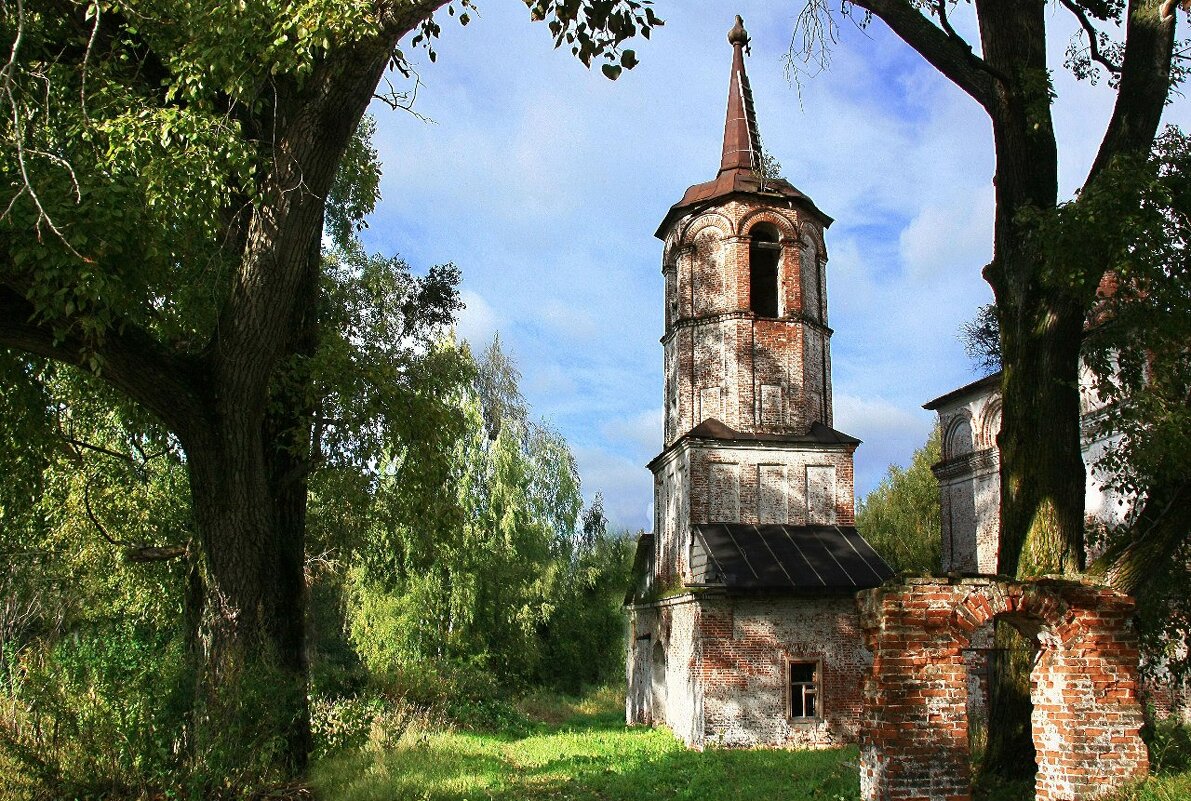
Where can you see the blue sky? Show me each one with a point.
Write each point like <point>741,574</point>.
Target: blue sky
<point>544,183</point>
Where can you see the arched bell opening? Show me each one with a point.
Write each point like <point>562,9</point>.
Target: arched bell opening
<point>765,253</point>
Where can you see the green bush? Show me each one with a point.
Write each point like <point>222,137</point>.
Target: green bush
<point>101,712</point>
<point>1169,743</point>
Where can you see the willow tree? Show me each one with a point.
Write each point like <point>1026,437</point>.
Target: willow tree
<point>1042,297</point>
<point>165,172</point>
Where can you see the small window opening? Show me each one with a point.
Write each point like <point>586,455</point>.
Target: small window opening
<point>804,689</point>
<point>764,254</point>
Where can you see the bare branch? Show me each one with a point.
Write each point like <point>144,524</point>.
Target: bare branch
<point>1093,38</point>
<point>7,82</point>
<point>103,532</point>
<point>946,52</point>
<point>403,101</point>
<point>98,11</point>
<point>78,443</point>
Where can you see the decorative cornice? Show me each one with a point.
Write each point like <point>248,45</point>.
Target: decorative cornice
<point>968,465</point>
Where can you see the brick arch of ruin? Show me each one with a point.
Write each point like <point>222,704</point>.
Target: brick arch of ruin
<point>1086,718</point>
<point>785,227</point>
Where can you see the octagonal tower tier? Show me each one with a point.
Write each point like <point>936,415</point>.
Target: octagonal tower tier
<point>748,420</point>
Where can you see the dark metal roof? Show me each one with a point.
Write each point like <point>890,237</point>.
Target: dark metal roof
<point>981,385</point>
<point>782,557</point>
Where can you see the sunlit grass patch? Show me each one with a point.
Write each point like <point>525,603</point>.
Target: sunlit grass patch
<point>587,754</point>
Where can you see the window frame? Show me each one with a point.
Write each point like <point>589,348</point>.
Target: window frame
<point>759,242</point>
<point>817,684</point>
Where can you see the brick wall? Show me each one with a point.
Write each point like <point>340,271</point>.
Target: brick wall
<point>754,374</point>
<point>721,679</point>
<point>750,463</point>
<point>914,732</point>
<point>745,644</point>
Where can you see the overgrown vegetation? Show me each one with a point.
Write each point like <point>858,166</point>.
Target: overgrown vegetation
<point>579,749</point>
<point>900,518</point>
<point>447,577</point>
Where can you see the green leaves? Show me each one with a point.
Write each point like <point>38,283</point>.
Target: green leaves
<point>595,29</point>
<point>900,518</point>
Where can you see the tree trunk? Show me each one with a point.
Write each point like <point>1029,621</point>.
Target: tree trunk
<point>1041,325</point>
<point>250,671</point>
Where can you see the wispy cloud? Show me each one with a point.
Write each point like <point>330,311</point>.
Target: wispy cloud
<point>544,182</point>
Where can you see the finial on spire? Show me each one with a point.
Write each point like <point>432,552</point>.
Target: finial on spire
<point>738,36</point>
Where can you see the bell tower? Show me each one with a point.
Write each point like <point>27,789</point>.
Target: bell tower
<point>746,340</point>
<point>748,420</point>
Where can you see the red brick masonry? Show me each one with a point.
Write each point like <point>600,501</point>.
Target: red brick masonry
<point>914,729</point>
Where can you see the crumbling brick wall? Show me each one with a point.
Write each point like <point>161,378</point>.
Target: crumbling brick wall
<point>914,733</point>
<point>744,646</point>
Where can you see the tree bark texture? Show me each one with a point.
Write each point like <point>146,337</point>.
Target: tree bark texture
<point>1040,306</point>
<point>239,407</point>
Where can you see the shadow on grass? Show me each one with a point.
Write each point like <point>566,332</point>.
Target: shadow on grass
<point>587,758</point>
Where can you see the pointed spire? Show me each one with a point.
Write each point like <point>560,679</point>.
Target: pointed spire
<point>742,143</point>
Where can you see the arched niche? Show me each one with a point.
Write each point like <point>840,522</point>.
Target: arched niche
<point>765,256</point>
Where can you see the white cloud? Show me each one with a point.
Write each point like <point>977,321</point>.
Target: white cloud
<point>627,486</point>
<point>478,321</point>
<point>643,431</point>
<point>890,433</point>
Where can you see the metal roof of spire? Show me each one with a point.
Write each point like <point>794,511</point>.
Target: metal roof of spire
<point>740,164</point>
<point>742,142</point>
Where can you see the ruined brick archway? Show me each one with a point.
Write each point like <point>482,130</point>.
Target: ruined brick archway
<point>914,731</point>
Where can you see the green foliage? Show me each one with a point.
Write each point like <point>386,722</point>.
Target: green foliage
<point>492,586</point>
<point>584,752</point>
<point>1139,354</point>
<point>154,178</point>
<point>1169,744</point>
<point>100,712</point>
<point>583,640</point>
<point>900,518</point>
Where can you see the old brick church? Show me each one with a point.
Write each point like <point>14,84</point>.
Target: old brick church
<point>744,627</point>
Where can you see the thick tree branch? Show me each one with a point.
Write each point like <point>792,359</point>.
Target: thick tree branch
<point>166,384</point>
<point>314,124</point>
<point>947,53</point>
<point>1093,37</point>
<point>1144,85</point>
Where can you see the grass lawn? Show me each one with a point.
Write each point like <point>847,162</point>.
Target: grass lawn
<point>580,750</point>
<point>583,752</point>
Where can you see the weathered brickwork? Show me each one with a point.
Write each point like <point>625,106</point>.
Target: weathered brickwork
<point>745,647</point>
<point>749,461</point>
<point>756,374</point>
<point>1087,716</point>
<point>724,664</point>
<point>662,665</point>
